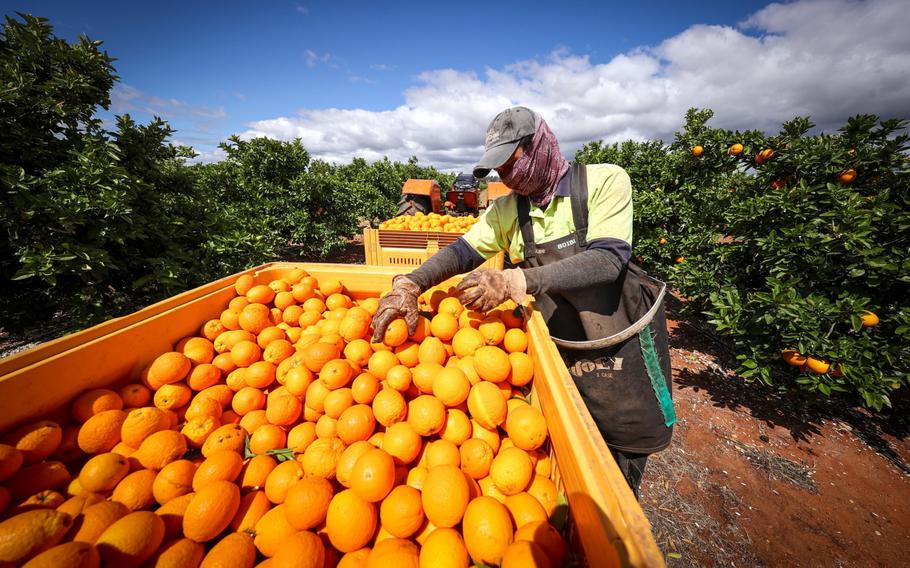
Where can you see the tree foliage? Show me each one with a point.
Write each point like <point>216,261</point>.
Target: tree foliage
<point>784,252</point>
<point>97,221</point>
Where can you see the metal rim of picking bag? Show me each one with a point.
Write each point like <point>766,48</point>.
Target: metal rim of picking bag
<point>616,338</point>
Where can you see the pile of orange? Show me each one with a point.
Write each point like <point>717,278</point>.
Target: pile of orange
<point>280,435</point>
<point>429,222</point>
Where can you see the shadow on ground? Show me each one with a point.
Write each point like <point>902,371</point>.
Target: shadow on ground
<point>801,414</point>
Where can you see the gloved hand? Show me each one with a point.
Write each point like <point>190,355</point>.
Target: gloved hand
<point>483,290</point>
<point>400,301</point>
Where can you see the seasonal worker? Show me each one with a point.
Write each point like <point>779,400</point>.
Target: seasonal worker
<point>568,227</point>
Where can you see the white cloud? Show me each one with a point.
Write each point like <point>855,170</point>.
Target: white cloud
<point>301,9</point>
<point>828,59</point>
<point>208,156</point>
<point>382,67</point>
<point>195,125</point>
<point>312,58</point>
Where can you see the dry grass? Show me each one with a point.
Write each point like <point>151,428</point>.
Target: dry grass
<point>685,531</point>
<point>777,467</point>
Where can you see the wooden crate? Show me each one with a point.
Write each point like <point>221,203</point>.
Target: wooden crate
<point>410,248</point>
<point>606,524</point>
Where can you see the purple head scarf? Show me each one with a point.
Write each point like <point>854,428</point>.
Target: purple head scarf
<point>538,170</point>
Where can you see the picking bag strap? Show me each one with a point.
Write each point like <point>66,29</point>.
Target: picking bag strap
<point>527,229</point>
<point>655,373</point>
<point>578,194</point>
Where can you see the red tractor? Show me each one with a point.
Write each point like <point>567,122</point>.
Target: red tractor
<point>465,198</point>
<point>420,196</point>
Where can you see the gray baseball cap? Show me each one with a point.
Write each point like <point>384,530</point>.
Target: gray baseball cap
<point>503,135</point>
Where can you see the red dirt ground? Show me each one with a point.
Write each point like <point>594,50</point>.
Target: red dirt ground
<point>761,479</point>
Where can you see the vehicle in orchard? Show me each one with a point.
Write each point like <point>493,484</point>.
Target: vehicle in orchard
<point>420,196</point>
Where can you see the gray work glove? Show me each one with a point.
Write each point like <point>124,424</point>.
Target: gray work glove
<point>399,302</point>
<point>483,290</point>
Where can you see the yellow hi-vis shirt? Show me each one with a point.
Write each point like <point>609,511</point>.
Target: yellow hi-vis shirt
<point>609,215</point>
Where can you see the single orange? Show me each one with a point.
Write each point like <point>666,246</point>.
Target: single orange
<point>272,531</point>
<point>451,386</point>
<point>487,530</point>
<point>432,350</point>
<point>307,502</point>
<point>267,437</point>
<point>364,388</point>
<point>94,401</point>
<point>444,326</point>
<point>350,521</point>
<point>522,368</point>
<point>373,475</point>
<point>321,457</point>
<point>426,414</point>
<point>356,423</point>
<point>402,442</point>
<point>389,407</point>
<point>445,495</point>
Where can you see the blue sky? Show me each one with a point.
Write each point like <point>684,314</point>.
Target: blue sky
<point>423,78</point>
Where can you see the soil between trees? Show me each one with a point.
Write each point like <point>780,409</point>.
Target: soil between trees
<point>757,478</point>
<point>752,477</point>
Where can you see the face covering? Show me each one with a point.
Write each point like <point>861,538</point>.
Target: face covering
<point>537,171</point>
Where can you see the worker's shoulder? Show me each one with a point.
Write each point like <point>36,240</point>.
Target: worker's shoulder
<point>505,202</point>
<point>604,171</point>
<point>609,177</point>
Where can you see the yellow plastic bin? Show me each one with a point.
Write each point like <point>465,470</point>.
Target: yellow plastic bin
<point>383,247</point>
<point>606,524</point>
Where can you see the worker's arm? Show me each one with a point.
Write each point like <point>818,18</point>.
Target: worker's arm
<point>483,290</point>
<point>401,300</point>
<point>457,258</point>
<point>609,237</point>
<point>592,267</point>
<point>483,240</point>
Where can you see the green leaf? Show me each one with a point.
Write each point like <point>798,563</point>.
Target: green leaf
<point>193,454</point>
<point>282,454</point>
<point>560,515</point>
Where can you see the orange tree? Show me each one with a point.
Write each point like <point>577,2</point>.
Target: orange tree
<point>93,220</point>
<point>97,221</point>
<point>386,178</point>
<point>276,189</point>
<point>795,245</point>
